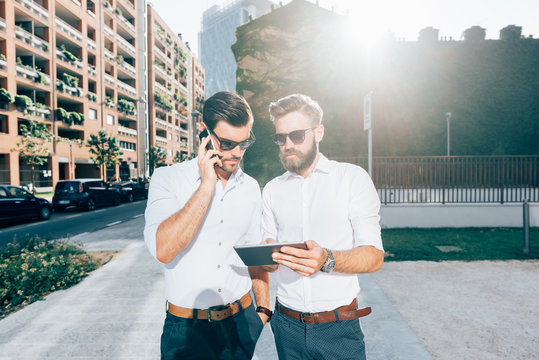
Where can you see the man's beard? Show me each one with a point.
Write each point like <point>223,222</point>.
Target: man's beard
<point>301,162</point>
<point>228,167</point>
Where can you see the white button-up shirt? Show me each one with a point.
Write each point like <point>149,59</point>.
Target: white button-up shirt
<point>208,272</point>
<point>337,206</point>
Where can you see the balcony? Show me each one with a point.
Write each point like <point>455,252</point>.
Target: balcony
<point>122,130</point>
<point>69,30</point>
<point>162,89</point>
<point>34,8</point>
<point>109,55</point>
<point>161,71</point>
<point>126,44</point>
<point>2,25</point>
<point>3,64</point>
<point>127,88</point>
<point>109,79</point>
<point>60,55</point>
<point>91,71</point>
<point>128,67</point>
<point>160,122</point>
<point>109,31</point>
<point>91,44</point>
<point>34,41</point>
<point>39,110</point>
<point>26,72</point>
<point>108,7</point>
<point>126,23</point>
<point>70,90</point>
<point>162,55</point>
<point>160,140</point>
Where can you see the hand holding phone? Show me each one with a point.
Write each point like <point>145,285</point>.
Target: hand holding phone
<point>206,133</point>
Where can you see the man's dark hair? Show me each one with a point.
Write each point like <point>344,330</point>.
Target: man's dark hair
<point>229,107</point>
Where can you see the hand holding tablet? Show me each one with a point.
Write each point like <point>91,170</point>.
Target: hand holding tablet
<point>260,254</point>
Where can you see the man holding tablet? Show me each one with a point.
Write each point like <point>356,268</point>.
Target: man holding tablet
<point>333,207</point>
<point>197,211</point>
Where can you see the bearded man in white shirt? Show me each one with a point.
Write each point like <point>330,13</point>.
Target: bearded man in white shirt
<point>333,207</point>
<point>197,211</point>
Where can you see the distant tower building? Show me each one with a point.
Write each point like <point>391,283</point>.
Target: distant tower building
<point>218,33</point>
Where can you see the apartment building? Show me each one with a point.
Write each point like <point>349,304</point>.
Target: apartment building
<point>81,66</point>
<point>176,83</point>
<point>217,35</point>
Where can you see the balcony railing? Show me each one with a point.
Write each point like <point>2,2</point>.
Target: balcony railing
<point>108,31</point>
<point>162,88</point>
<point>109,79</point>
<point>91,44</point>
<point>92,71</point>
<point>128,67</point>
<point>31,39</point>
<point>122,130</point>
<point>161,140</point>
<point>26,72</point>
<point>127,88</point>
<point>34,8</point>
<point>2,25</point>
<point>162,55</point>
<point>163,123</point>
<point>126,44</point>
<point>109,55</point>
<point>126,23</point>
<point>68,29</point>
<point>39,110</point>
<point>60,55</point>
<point>161,71</point>
<point>3,64</point>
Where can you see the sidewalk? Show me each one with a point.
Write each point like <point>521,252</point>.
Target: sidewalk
<point>117,312</point>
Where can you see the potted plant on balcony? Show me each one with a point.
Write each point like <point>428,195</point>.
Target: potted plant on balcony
<point>23,102</point>
<point>62,115</point>
<point>6,98</point>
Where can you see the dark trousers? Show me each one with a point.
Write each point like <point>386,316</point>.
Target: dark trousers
<point>333,340</point>
<point>231,338</point>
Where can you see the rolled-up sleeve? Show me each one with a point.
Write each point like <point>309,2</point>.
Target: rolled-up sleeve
<point>269,224</point>
<point>162,203</point>
<point>364,210</point>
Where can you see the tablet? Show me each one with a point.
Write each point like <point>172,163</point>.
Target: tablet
<point>260,254</point>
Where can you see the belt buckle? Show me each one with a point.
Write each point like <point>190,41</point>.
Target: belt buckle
<point>216,308</point>
<point>302,315</point>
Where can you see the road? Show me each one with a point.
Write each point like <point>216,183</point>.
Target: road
<point>72,222</point>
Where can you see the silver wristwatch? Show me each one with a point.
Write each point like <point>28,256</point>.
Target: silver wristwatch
<point>329,265</point>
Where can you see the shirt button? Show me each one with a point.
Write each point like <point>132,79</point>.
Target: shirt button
<point>221,221</point>
<point>219,244</point>
<point>219,290</point>
<point>218,266</point>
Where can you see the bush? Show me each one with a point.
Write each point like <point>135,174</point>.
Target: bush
<point>126,106</point>
<point>23,102</point>
<point>32,269</point>
<point>62,114</point>
<point>74,118</point>
<point>6,97</point>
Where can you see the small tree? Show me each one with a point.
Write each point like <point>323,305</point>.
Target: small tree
<point>33,146</point>
<point>156,157</point>
<point>104,150</point>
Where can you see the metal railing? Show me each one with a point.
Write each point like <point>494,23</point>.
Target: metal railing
<point>454,179</point>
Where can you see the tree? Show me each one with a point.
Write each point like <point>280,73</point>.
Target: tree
<point>511,33</point>
<point>156,157</point>
<point>104,150</point>
<point>33,146</point>
<point>182,156</point>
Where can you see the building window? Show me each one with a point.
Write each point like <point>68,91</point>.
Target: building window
<point>170,136</point>
<point>110,119</point>
<point>169,152</point>
<point>92,114</point>
<point>177,138</point>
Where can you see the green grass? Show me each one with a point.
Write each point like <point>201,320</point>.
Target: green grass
<point>44,194</point>
<point>476,244</point>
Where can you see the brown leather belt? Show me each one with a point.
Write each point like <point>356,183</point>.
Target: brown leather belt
<point>214,313</point>
<point>346,312</point>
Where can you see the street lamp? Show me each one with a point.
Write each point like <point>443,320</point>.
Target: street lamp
<point>448,118</point>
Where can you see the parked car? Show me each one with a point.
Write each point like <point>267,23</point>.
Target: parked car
<point>16,203</point>
<point>131,190</point>
<point>84,193</point>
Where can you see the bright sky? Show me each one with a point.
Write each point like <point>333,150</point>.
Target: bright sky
<point>404,18</point>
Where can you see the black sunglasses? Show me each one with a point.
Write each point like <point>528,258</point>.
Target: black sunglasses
<point>229,144</point>
<point>296,136</point>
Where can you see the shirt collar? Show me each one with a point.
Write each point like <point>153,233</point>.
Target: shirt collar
<point>322,166</point>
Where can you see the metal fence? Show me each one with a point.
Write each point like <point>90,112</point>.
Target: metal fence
<point>454,179</point>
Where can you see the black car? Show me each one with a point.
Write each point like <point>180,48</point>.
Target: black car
<point>84,193</point>
<point>131,190</point>
<point>16,203</point>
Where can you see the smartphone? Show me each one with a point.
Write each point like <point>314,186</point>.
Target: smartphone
<point>206,133</point>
